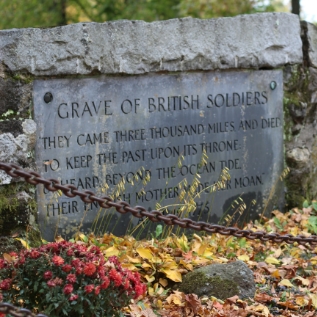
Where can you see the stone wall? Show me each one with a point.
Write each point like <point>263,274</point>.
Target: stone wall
<point>300,121</point>
<point>260,41</point>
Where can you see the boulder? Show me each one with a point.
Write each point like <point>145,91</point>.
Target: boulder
<point>220,280</point>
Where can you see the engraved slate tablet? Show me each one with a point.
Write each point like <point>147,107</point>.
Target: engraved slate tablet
<point>159,141</point>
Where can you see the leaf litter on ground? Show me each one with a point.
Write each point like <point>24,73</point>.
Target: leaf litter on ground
<point>285,275</point>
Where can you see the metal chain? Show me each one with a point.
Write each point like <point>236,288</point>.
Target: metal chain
<point>7,308</point>
<point>123,207</point>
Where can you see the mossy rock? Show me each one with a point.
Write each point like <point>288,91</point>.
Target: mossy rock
<point>8,244</point>
<point>220,280</point>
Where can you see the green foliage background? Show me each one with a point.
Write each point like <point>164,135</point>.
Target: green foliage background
<point>47,13</point>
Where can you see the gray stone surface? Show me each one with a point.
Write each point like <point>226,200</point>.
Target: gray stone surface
<point>311,33</point>
<point>16,148</point>
<point>133,47</point>
<point>121,125</point>
<point>220,280</point>
<point>14,95</point>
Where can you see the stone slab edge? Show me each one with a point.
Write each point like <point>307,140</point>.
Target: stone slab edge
<point>311,38</point>
<point>266,40</point>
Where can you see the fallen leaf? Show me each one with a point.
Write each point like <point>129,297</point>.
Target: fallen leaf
<point>176,298</point>
<point>285,282</point>
<point>163,282</point>
<point>173,275</point>
<point>301,301</point>
<point>24,243</point>
<point>8,257</point>
<point>304,281</point>
<point>111,251</point>
<point>271,260</point>
<point>244,258</point>
<point>313,297</point>
<point>145,253</point>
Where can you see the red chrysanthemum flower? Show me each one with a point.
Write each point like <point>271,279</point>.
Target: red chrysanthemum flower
<point>73,297</point>
<point>70,252</point>
<point>75,262</point>
<point>48,275</point>
<point>57,260</point>
<point>89,288</point>
<point>34,254</point>
<point>5,284</point>
<point>105,282</point>
<point>71,278</point>
<point>116,277</point>
<point>79,270</point>
<point>2,264</point>
<point>58,281</point>
<point>67,268</point>
<point>139,290</point>
<point>90,269</point>
<point>21,260</point>
<point>51,283</point>
<point>68,288</point>
<point>126,284</point>
<point>97,290</point>
<point>13,254</point>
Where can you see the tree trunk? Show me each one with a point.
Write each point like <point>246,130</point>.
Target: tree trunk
<point>296,6</point>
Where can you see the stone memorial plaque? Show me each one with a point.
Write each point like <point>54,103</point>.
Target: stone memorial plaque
<point>159,139</point>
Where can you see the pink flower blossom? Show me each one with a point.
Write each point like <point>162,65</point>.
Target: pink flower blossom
<point>34,254</point>
<point>89,288</point>
<point>57,260</point>
<point>67,268</point>
<point>89,269</point>
<point>58,281</point>
<point>139,290</point>
<point>71,278</point>
<point>126,284</point>
<point>48,275</point>
<point>51,283</point>
<point>79,270</point>
<point>70,252</point>
<point>97,290</point>
<point>116,277</point>
<point>68,288</point>
<point>105,283</point>
<point>2,263</point>
<point>5,284</point>
<point>73,297</point>
<point>75,262</point>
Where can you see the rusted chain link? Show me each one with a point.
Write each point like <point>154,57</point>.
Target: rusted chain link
<point>155,216</point>
<point>7,308</point>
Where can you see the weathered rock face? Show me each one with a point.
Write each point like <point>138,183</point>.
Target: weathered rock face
<point>220,280</point>
<point>301,122</point>
<point>134,47</point>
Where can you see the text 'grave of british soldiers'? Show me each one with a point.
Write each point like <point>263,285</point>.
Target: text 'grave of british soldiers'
<point>159,139</point>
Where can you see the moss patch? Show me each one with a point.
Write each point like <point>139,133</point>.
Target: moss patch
<point>201,284</point>
<point>8,244</point>
<point>15,212</point>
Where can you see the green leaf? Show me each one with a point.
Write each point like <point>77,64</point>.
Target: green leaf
<point>158,231</point>
<point>312,224</point>
<point>277,223</point>
<point>306,204</point>
<point>242,242</point>
<point>314,204</point>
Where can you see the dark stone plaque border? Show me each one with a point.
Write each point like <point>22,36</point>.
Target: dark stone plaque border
<point>93,131</point>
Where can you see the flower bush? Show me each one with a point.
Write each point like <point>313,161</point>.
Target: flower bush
<point>67,279</point>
